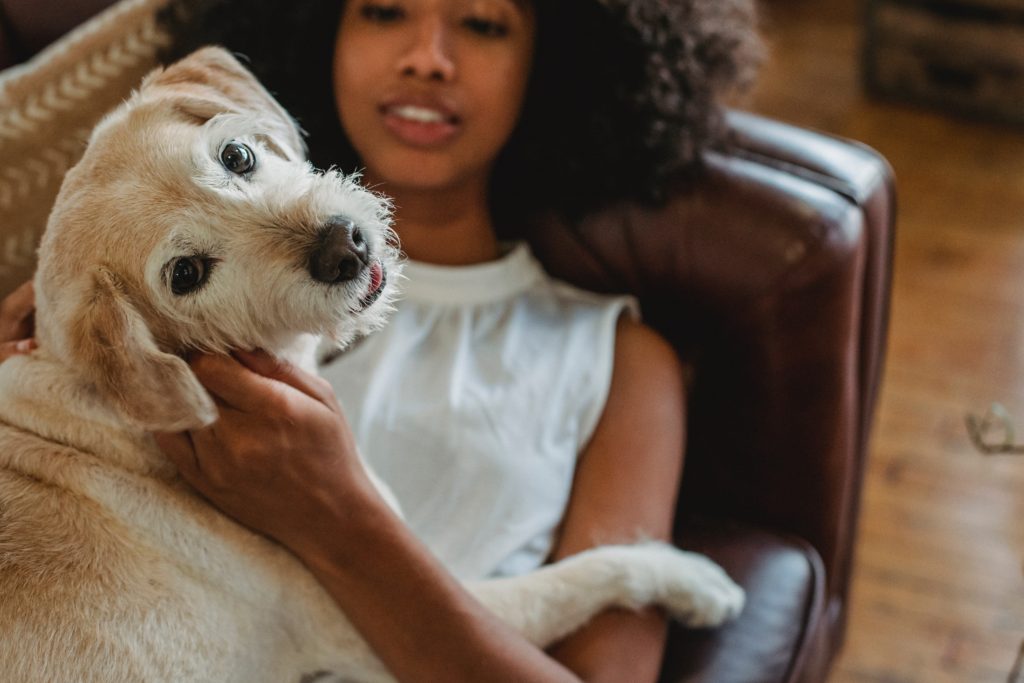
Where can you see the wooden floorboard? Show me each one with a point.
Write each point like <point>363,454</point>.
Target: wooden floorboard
<point>938,593</point>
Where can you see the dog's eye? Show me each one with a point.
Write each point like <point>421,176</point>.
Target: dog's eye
<point>189,274</point>
<point>238,158</point>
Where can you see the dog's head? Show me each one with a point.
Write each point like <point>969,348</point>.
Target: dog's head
<point>193,222</point>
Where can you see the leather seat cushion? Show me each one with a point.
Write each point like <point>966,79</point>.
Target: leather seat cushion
<point>784,578</point>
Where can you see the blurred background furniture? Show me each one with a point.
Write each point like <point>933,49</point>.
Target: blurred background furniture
<point>962,56</point>
<point>771,276</point>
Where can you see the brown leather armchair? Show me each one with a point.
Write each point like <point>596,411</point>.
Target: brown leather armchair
<point>771,277</point>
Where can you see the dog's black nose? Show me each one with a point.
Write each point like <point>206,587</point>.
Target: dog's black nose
<point>340,254</point>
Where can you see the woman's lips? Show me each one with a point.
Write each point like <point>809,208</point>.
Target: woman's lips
<point>420,125</point>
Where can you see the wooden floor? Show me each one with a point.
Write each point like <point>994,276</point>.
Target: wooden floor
<point>938,592</point>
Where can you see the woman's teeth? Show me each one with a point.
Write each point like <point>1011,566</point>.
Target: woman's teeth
<point>419,114</point>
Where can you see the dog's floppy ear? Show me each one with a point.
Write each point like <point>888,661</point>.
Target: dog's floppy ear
<point>113,345</point>
<point>211,81</point>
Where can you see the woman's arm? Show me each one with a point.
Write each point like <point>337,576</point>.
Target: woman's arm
<point>281,460</point>
<point>625,489</point>
<point>17,311</point>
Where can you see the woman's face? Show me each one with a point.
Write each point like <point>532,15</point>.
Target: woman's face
<point>429,90</point>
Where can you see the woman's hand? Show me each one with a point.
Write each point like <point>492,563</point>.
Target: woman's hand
<point>17,322</point>
<point>280,456</point>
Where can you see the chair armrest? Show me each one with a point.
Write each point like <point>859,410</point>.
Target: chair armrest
<point>771,277</point>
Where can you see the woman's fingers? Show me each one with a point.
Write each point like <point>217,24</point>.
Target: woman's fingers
<point>16,348</point>
<point>235,385</point>
<point>16,313</point>
<point>255,382</point>
<point>21,301</point>
<point>178,448</point>
<point>261,362</point>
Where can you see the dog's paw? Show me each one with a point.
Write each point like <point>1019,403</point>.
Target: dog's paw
<point>699,593</point>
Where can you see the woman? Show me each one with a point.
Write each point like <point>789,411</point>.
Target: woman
<point>518,420</point>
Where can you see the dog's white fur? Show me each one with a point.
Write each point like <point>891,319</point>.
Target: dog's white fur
<point>111,569</point>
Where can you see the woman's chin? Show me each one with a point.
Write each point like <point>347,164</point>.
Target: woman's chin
<point>399,185</point>
<point>422,173</point>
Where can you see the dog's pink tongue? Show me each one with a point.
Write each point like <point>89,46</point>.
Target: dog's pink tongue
<point>376,276</point>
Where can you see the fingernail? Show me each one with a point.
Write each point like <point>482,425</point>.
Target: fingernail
<point>25,345</point>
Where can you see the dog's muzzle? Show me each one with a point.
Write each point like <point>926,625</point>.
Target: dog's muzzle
<point>341,253</point>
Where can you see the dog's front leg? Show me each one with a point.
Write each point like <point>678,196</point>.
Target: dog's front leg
<point>552,602</point>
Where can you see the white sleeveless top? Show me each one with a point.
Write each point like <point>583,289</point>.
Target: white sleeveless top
<point>474,401</point>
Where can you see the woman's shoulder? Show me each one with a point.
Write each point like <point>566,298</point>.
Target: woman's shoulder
<point>641,345</point>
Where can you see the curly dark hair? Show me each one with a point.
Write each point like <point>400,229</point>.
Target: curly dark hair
<point>624,94</point>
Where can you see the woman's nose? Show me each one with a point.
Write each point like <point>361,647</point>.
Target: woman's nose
<point>429,56</point>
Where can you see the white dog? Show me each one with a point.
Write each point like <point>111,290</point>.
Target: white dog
<point>192,222</point>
